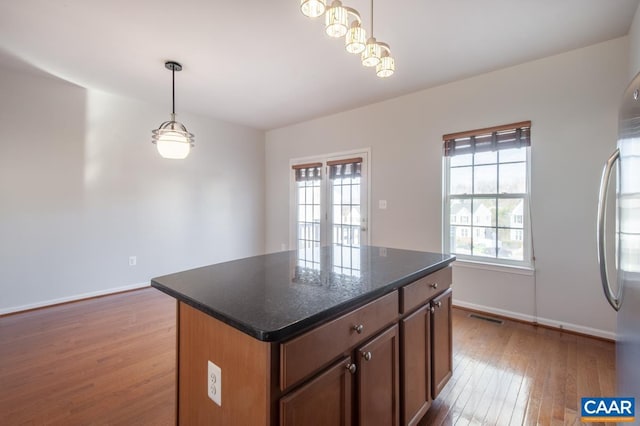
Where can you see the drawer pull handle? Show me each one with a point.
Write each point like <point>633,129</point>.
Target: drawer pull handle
<point>433,285</point>
<point>352,368</point>
<point>366,356</point>
<point>438,304</point>
<point>358,328</point>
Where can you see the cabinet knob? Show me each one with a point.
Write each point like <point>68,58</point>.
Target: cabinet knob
<point>438,304</point>
<point>352,368</point>
<point>432,309</point>
<point>366,356</point>
<point>433,285</point>
<point>358,328</point>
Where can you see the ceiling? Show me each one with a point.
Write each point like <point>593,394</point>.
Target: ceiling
<point>263,64</point>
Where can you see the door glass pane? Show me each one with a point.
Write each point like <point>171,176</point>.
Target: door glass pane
<point>346,212</point>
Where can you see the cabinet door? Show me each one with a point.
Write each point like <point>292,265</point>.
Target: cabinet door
<point>415,368</point>
<point>324,401</point>
<point>442,353</point>
<point>378,380</point>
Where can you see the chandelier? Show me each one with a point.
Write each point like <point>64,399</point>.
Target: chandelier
<point>342,21</point>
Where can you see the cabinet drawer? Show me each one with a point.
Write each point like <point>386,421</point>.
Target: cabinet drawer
<point>303,355</point>
<point>418,292</point>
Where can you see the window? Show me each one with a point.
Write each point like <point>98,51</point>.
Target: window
<point>486,191</point>
<point>331,208</point>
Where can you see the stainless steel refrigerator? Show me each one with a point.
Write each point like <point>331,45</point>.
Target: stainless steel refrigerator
<point>624,294</point>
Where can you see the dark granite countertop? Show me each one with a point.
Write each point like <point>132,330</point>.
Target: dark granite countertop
<point>276,296</point>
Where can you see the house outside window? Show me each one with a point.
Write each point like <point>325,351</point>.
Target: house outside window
<point>486,193</point>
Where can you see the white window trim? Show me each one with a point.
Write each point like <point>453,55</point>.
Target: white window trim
<point>474,261</point>
<point>324,205</point>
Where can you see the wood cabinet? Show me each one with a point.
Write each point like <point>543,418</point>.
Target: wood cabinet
<point>442,353</point>
<point>324,401</point>
<point>426,356</point>
<point>415,331</point>
<point>378,380</point>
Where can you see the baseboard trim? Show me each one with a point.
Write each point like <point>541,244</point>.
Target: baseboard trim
<point>74,298</point>
<point>542,322</point>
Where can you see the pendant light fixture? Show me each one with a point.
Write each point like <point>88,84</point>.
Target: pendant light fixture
<point>312,8</point>
<point>356,38</point>
<point>373,53</point>
<point>336,20</point>
<point>172,139</point>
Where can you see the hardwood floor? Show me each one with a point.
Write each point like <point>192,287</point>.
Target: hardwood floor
<point>517,374</point>
<point>111,360</point>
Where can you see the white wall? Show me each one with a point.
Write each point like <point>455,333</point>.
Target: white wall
<point>82,188</point>
<point>634,45</point>
<point>572,102</point>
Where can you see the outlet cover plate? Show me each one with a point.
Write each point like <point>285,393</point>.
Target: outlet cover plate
<point>214,383</point>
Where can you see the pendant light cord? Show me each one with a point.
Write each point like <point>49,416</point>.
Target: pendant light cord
<point>371,18</point>
<point>173,90</point>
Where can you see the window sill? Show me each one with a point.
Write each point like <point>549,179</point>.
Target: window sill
<point>507,269</point>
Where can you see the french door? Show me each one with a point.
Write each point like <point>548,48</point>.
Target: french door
<point>331,205</point>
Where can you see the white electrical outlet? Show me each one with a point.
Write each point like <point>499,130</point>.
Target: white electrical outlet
<point>133,260</point>
<point>214,383</point>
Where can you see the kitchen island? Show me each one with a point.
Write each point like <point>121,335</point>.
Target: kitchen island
<point>339,335</point>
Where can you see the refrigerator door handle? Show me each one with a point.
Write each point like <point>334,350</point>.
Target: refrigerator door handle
<point>614,300</point>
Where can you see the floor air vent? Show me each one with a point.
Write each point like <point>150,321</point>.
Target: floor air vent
<point>489,319</point>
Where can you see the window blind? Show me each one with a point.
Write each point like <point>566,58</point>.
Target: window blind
<point>346,168</point>
<point>309,171</point>
<point>508,136</point>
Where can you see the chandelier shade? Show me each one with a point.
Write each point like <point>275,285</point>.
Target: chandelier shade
<point>172,139</point>
<point>313,8</point>
<point>372,53</point>
<point>386,67</point>
<point>356,38</point>
<point>337,20</point>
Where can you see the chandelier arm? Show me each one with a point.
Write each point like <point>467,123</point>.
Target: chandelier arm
<point>353,13</point>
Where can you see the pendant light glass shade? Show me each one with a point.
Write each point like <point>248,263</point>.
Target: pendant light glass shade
<point>356,38</point>
<point>337,20</point>
<point>172,139</point>
<point>372,53</point>
<point>312,8</point>
<point>386,67</point>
